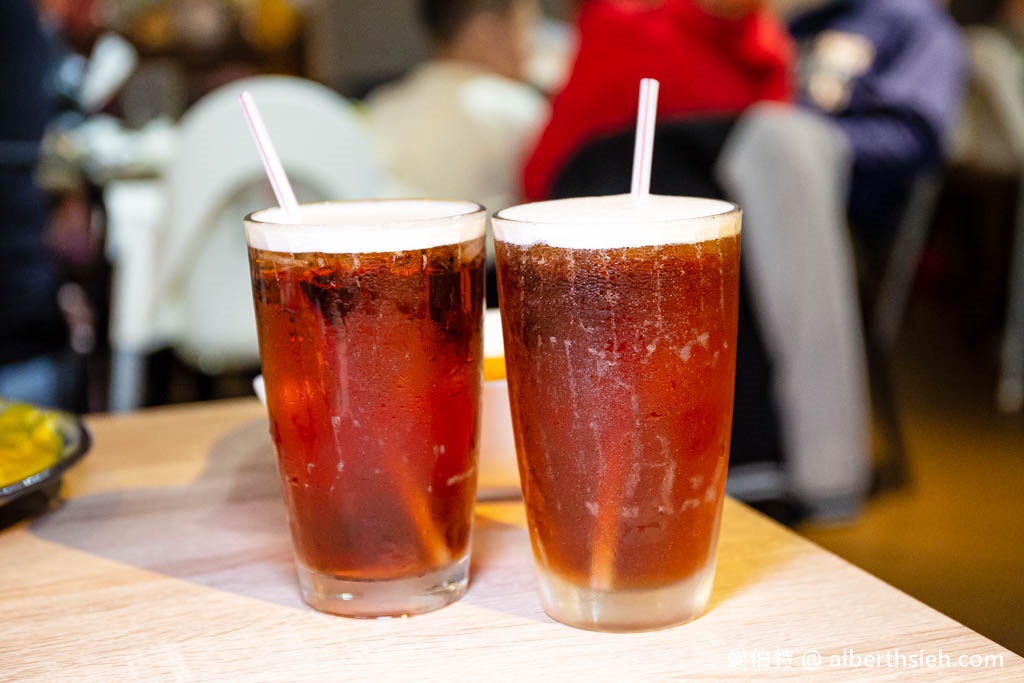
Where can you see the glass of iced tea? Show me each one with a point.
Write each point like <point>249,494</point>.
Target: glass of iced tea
<point>619,318</point>
<point>370,329</point>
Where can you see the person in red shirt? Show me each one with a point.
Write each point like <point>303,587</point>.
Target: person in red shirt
<point>711,56</point>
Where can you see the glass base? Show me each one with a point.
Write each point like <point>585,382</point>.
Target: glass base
<point>626,610</point>
<point>376,599</point>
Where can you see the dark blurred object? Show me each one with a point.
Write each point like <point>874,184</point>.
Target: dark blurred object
<point>215,41</point>
<point>885,283</point>
<point>966,12</point>
<point>31,505</point>
<point>33,335</point>
<point>75,89</point>
<point>986,190</point>
<point>685,151</point>
<point>78,20</point>
<point>975,260</point>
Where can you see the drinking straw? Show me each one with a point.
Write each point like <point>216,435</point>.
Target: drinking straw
<point>268,153</point>
<point>610,488</point>
<point>416,502</point>
<point>643,149</point>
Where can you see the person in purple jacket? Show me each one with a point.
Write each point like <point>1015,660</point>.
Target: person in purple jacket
<point>879,89</point>
<point>891,75</point>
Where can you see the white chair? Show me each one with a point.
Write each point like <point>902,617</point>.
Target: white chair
<point>196,294</point>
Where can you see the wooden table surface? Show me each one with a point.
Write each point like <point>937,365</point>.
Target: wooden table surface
<point>170,560</point>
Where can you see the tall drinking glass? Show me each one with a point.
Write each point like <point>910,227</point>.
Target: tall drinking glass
<point>369,317</point>
<point>619,319</point>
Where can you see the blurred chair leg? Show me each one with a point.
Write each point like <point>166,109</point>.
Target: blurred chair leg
<point>135,210</point>
<point>892,470</point>
<point>81,321</point>
<point>127,381</point>
<point>885,318</point>
<point>1010,392</point>
<point>898,279</point>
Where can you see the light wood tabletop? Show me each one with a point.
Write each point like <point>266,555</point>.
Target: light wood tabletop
<point>170,560</point>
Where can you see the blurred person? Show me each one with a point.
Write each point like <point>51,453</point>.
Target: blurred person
<point>890,74</point>
<point>33,335</point>
<point>457,126</point>
<point>711,57</point>
<point>714,61</point>
<point>789,169</point>
<point>880,84</point>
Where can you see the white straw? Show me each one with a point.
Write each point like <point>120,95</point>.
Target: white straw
<point>647,113</point>
<point>271,162</point>
<point>602,558</point>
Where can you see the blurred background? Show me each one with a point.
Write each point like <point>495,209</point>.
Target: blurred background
<point>126,168</point>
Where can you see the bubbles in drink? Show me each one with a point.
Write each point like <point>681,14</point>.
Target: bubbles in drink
<point>621,364</point>
<point>373,385</point>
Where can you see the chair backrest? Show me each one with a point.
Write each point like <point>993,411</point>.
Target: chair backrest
<point>684,163</point>
<point>216,178</point>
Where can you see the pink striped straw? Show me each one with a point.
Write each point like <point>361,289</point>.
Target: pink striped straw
<point>271,162</point>
<point>647,113</point>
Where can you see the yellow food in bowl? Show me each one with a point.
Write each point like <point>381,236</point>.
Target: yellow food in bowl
<point>29,441</point>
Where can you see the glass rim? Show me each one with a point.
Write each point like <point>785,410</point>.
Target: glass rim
<point>471,209</point>
<point>733,209</point>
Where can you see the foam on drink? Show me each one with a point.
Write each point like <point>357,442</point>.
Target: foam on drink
<point>365,227</point>
<point>617,221</point>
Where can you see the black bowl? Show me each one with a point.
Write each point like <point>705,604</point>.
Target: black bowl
<point>77,441</point>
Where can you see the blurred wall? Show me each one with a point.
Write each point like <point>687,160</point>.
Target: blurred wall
<point>354,44</point>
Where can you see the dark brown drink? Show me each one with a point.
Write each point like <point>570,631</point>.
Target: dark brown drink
<point>372,363</point>
<point>621,364</point>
